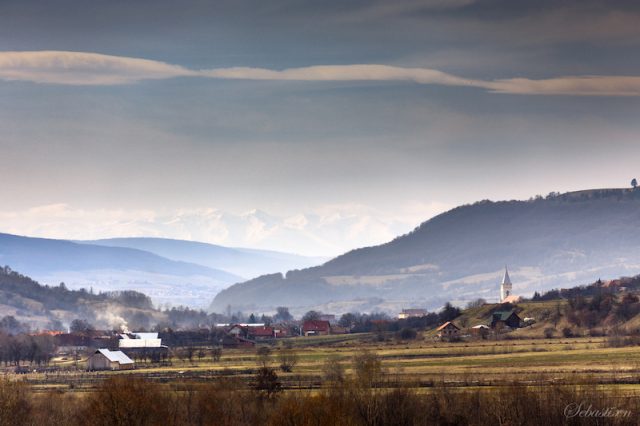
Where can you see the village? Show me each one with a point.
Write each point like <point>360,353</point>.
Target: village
<point>111,350</point>
<point>482,349</point>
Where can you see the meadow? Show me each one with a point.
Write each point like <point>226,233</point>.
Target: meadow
<point>354,379</point>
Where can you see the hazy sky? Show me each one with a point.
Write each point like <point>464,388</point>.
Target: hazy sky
<point>347,122</point>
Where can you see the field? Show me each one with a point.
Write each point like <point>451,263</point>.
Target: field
<point>419,363</point>
<point>355,379</point>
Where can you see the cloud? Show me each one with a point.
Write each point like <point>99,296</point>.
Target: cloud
<point>81,68</point>
<point>323,231</point>
<point>578,85</point>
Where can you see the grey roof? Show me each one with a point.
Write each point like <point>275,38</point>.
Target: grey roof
<point>115,356</point>
<point>506,279</point>
<point>503,315</point>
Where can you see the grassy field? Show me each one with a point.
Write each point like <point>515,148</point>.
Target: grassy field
<point>419,363</point>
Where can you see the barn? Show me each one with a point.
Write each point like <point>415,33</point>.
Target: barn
<point>104,359</point>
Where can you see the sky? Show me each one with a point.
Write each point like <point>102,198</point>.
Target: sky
<point>305,126</point>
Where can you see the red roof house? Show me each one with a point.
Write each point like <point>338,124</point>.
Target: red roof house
<point>316,328</point>
<point>261,333</point>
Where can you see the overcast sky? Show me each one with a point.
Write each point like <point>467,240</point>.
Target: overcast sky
<point>309,126</point>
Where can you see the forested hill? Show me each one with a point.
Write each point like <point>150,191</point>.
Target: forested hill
<point>557,241</point>
<point>41,305</point>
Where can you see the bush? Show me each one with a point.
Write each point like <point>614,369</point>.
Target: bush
<point>407,334</point>
<point>288,358</point>
<point>267,382</point>
<point>15,407</point>
<point>549,333</point>
<point>127,401</point>
<point>567,332</point>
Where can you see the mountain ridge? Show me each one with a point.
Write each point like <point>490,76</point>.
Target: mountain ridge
<point>242,262</point>
<point>561,239</point>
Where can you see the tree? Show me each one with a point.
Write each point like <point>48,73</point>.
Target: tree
<point>266,320</point>
<point>216,354</point>
<point>263,356</point>
<point>634,183</point>
<point>267,381</point>
<point>407,334</point>
<point>333,370</point>
<point>282,314</point>
<point>348,320</point>
<point>288,357</point>
<point>9,324</point>
<point>201,354</point>
<point>368,368</point>
<point>449,313</point>
<point>80,326</point>
<point>252,319</point>
<point>476,303</point>
<point>311,316</point>
<point>190,350</point>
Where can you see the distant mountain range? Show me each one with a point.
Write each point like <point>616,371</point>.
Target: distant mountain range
<point>558,241</point>
<point>170,271</point>
<point>242,262</point>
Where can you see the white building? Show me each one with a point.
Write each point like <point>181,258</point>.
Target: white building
<point>104,359</point>
<point>139,340</point>
<point>412,313</point>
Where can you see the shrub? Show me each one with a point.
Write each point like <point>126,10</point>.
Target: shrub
<point>567,332</point>
<point>407,334</point>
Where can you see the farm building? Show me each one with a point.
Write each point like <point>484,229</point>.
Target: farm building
<point>230,341</point>
<point>505,319</point>
<point>104,359</point>
<point>448,330</point>
<point>261,333</point>
<point>139,340</point>
<point>480,330</point>
<point>316,328</point>
<point>412,313</point>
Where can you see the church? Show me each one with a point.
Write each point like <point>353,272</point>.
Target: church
<point>506,289</point>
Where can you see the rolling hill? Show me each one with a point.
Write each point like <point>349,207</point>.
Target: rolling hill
<point>112,268</point>
<point>558,241</point>
<point>41,306</point>
<point>241,262</point>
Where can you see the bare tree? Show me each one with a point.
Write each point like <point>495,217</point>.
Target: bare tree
<point>288,357</point>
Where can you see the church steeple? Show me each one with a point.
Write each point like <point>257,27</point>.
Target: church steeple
<point>505,286</point>
<point>506,279</point>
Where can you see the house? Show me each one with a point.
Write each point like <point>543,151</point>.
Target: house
<point>480,330</point>
<point>412,313</point>
<point>282,330</point>
<point>505,319</point>
<point>238,330</point>
<point>448,330</point>
<point>261,333</point>
<point>230,342</point>
<point>104,359</point>
<point>67,343</point>
<point>316,328</point>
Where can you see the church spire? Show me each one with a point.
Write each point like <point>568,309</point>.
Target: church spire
<point>505,286</point>
<point>506,279</point>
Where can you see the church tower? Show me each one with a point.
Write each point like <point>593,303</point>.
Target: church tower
<point>505,286</point>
